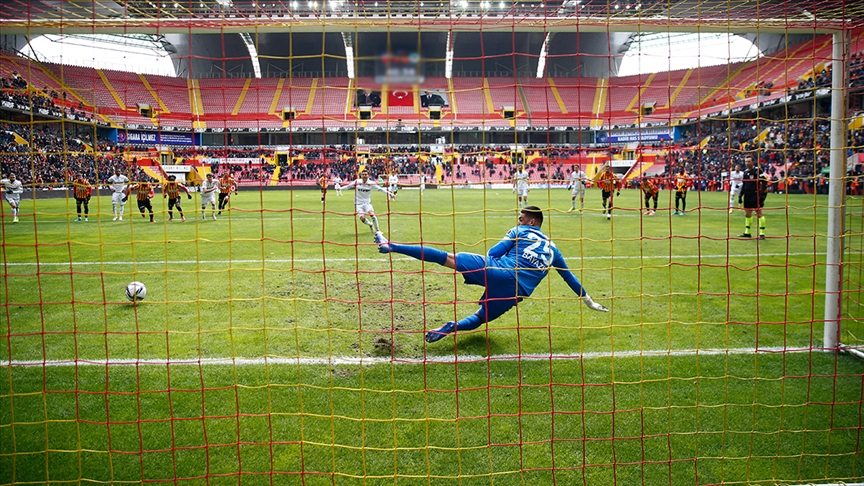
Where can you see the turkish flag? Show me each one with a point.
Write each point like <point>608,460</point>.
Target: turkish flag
<point>400,97</point>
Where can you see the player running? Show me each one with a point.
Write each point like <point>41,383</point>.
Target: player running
<point>576,184</point>
<point>144,192</point>
<point>608,182</point>
<point>363,199</point>
<point>209,188</point>
<point>118,183</point>
<point>226,185</point>
<point>171,190</point>
<point>511,270</point>
<point>13,188</point>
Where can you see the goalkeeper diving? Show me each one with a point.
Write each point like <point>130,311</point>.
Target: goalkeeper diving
<point>511,270</point>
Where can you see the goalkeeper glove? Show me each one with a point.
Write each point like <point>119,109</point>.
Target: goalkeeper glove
<point>617,193</point>
<point>593,305</point>
<point>164,196</point>
<point>189,196</point>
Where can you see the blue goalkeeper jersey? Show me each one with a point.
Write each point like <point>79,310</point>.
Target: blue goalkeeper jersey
<point>529,253</point>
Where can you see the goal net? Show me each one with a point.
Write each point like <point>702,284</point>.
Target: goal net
<point>708,197</point>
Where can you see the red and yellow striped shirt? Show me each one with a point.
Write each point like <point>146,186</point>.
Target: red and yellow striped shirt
<point>82,188</point>
<point>145,191</point>
<point>607,181</point>
<point>226,184</point>
<point>649,188</point>
<point>681,182</point>
<point>172,190</point>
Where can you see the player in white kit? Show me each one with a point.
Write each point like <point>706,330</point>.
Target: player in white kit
<point>337,184</point>
<point>209,189</point>
<point>422,183</point>
<point>736,182</point>
<point>393,182</point>
<point>520,186</point>
<point>118,183</point>
<point>363,188</point>
<point>576,184</point>
<point>13,189</point>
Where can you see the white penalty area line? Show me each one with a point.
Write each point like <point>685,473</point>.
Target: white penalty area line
<point>311,215</point>
<point>431,360</point>
<point>718,256</point>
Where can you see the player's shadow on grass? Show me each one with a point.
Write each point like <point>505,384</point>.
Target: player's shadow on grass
<point>479,344</point>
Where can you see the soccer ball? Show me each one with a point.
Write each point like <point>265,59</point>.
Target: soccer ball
<point>136,291</point>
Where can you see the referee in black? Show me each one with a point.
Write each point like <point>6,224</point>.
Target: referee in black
<point>753,192</point>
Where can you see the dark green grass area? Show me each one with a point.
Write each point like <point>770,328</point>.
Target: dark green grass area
<point>625,399</point>
<point>650,420</point>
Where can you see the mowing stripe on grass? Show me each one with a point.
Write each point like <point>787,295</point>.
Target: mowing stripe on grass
<point>312,260</point>
<point>372,360</point>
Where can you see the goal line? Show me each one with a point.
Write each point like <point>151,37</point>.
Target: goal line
<point>378,360</point>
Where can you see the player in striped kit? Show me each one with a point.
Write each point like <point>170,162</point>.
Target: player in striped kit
<point>118,183</point>
<point>322,184</point>
<point>511,270</point>
<point>171,190</point>
<point>226,185</point>
<point>608,182</point>
<point>363,188</point>
<point>209,189</point>
<point>144,192</point>
<point>83,190</point>
<point>13,188</point>
<point>650,191</point>
<point>682,182</point>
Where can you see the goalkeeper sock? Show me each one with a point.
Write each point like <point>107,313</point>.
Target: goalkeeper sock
<point>424,253</point>
<point>747,223</point>
<point>762,226</point>
<point>471,322</point>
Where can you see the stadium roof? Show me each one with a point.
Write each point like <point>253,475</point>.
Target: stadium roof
<point>240,38</point>
<point>779,16</point>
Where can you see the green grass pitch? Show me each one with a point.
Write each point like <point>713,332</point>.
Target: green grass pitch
<point>667,388</point>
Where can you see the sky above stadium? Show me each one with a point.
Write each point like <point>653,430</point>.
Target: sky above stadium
<point>661,52</point>
<point>648,53</point>
<point>129,54</point>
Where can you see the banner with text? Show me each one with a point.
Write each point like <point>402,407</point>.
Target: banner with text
<point>637,135</point>
<point>141,137</point>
